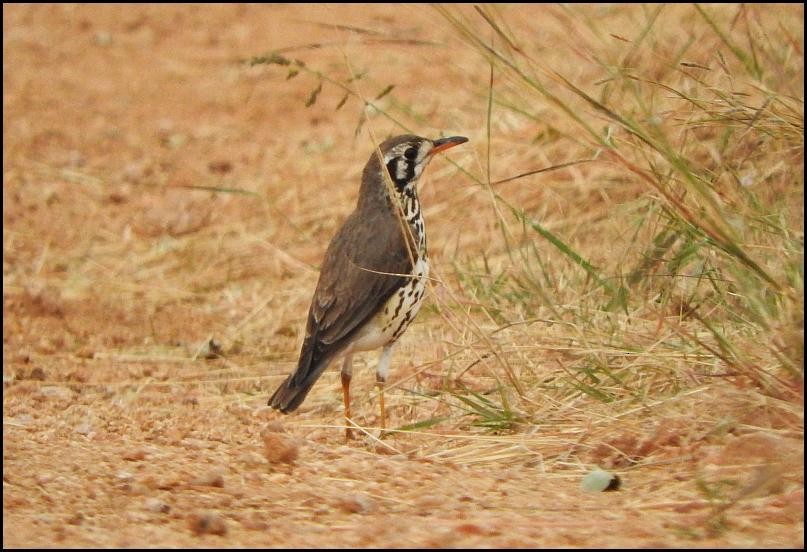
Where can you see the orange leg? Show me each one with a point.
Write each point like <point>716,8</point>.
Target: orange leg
<point>379,382</point>
<point>381,372</point>
<point>347,373</point>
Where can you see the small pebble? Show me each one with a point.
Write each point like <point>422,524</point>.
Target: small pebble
<point>134,455</point>
<point>213,478</point>
<point>279,448</point>
<point>156,505</point>
<point>356,504</point>
<point>599,480</point>
<point>55,392</point>
<point>207,523</point>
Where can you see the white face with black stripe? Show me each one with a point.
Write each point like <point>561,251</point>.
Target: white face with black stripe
<point>405,161</point>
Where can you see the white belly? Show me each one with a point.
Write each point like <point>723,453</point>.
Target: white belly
<point>399,311</point>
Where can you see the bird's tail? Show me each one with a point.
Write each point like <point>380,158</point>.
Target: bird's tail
<point>293,391</point>
<point>290,395</point>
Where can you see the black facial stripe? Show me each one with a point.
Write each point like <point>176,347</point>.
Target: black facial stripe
<point>410,170</point>
<point>392,168</point>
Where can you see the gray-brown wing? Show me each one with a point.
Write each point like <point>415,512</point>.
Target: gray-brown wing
<point>359,273</point>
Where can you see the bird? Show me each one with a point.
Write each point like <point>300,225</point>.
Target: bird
<point>372,280</point>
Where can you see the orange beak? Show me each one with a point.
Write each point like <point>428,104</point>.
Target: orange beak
<point>444,143</point>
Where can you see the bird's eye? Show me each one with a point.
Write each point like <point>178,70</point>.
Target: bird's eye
<point>411,153</point>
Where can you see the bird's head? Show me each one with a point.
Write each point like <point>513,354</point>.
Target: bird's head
<point>404,158</point>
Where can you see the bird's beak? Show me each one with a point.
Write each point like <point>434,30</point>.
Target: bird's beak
<point>444,143</point>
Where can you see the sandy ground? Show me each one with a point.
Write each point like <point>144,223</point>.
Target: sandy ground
<point>116,433</point>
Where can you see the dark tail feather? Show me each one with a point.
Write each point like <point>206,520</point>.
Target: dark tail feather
<point>291,395</point>
<point>293,391</point>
